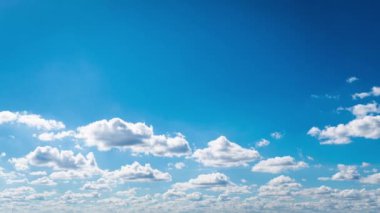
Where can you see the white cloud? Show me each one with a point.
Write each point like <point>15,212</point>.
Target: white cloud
<point>31,120</point>
<point>44,181</point>
<point>375,91</point>
<point>18,193</point>
<point>50,136</point>
<point>217,182</point>
<point>100,184</point>
<point>346,173</point>
<point>179,165</point>
<point>365,164</point>
<point>366,127</point>
<point>137,173</point>
<point>278,165</point>
<point>371,179</point>
<point>52,157</point>
<point>73,196</point>
<point>361,110</point>
<point>263,142</point>
<point>352,79</point>
<point>38,173</point>
<point>279,186</point>
<point>137,137</point>
<point>224,153</point>
<point>276,135</point>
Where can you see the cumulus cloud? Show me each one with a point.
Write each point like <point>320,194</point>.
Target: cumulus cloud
<point>30,120</point>
<point>371,179</point>
<point>375,91</point>
<point>204,181</point>
<point>262,143</point>
<point>47,156</point>
<point>43,181</point>
<point>212,181</point>
<point>179,165</point>
<point>137,173</point>
<point>361,110</point>
<point>137,137</point>
<point>134,172</point>
<point>346,173</point>
<point>365,125</point>
<point>352,79</point>
<point>281,185</point>
<point>223,153</point>
<point>278,165</point>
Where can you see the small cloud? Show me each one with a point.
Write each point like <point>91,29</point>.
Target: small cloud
<point>325,96</point>
<point>352,79</point>
<point>276,135</point>
<point>179,165</point>
<point>365,164</point>
<point>263,142</point>
<point>323,178</point>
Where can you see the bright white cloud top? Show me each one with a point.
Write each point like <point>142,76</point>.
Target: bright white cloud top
<point>278,165</point>
<point>223,153</point>
<point>366,124</point>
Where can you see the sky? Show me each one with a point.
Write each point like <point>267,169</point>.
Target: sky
<point>189,106</point>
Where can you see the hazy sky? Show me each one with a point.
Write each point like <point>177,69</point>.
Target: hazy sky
<point>189,106</point>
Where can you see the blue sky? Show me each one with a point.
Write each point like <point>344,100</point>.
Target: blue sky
<point>160,83</point>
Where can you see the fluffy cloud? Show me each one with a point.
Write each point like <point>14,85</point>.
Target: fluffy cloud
<point>128,173</point>
<point>366,127</point>
<point>137,137</point>
<point>43,181</point>
<point>224,153</point>
<point>179,165</point>
<point>262,143</point>
<point>278,165</point>
<point>52,157</point>
<point>371,179</point>
<point>375,91</point>
<point>212,181</point>
<point>50,136</point>
<point>137,173</point>
<point>346,173</point>
<point>204,181</point>
<point>361,110</point>
<point>278,186</point>
<point>31,120</point>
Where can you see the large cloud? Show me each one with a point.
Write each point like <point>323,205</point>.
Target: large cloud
<point>224,153</point>
<point>137,137</point>
<point>31,120</point>
<point>278,165</point>
<point>365,125</point>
